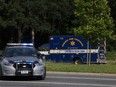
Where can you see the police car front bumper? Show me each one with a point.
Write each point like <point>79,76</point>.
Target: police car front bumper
<point>11,70</point>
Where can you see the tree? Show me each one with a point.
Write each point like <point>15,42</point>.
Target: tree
<point>112,4</point>
<point>55,16</point>
<point>17,15</point>
<point>94,20</point>
<point>12,16</point>
<point>2,14</point>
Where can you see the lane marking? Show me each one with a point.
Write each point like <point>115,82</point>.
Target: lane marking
<point>58,83</point>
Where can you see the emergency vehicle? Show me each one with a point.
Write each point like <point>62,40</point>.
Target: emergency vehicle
<point>75,49</point>
<point>22,59</point>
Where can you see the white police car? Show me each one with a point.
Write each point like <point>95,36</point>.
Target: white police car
<point>22,60</point>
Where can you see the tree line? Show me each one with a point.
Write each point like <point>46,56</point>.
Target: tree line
<point>92,19</point>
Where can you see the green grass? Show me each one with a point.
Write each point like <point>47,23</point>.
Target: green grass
<point>110,67</point>
<point>93,68</point>
<point>111,55</point>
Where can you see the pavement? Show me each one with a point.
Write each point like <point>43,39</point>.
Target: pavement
<point>81,73</point>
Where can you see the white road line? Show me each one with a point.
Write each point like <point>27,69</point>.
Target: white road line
<point>86,78</point>
<point>58,83</point>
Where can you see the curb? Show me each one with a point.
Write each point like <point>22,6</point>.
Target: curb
<point>80,73</point>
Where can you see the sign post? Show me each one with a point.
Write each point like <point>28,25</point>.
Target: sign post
<point>88,52</point>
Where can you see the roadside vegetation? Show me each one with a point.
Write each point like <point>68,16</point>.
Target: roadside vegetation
<point>111,55</point>
<point>24,20</point>
<point>110,67</point>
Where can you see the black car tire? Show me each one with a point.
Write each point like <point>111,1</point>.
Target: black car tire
<point>77,61</point>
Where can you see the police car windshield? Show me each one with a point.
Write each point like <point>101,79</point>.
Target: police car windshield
<point>12,52</point>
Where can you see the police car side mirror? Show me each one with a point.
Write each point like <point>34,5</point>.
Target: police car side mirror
<point>42,56</point>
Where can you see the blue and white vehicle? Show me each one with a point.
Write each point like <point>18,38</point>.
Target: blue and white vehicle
<point>22,60</point>
<point>74,49</point>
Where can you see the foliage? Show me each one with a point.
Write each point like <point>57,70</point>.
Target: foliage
<point>53,16</point>
<point>89,18</point>
<point>111,55</point>
<point>112,4</point>
<point>94,20</point>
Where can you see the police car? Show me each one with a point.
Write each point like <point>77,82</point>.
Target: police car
<point>22,60</point>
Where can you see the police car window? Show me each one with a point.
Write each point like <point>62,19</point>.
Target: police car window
<point>11,52</point>
<point>29,52</point>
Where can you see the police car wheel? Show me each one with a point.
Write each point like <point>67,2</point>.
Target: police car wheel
<point>77,61</point>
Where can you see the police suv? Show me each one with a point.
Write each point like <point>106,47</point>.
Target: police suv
<point>22,60</point>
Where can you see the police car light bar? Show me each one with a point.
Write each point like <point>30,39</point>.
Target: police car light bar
<point>19,44</point>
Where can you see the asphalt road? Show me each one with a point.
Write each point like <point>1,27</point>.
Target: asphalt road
<point>63,80</point>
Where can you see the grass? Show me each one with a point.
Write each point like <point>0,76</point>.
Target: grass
<point>93,68</point>
<point>111,55</point>
<point>110,67</point>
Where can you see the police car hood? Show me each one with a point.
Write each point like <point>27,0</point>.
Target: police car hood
<point>22,58</point>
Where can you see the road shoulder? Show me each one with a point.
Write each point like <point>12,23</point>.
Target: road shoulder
<point>81,73</point>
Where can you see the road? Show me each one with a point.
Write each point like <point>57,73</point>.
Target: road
<point>62,80</point>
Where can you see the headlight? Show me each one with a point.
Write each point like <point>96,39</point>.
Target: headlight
<point>6,62</point>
